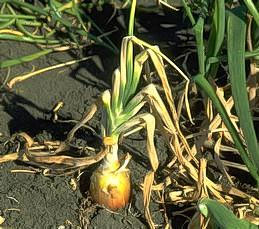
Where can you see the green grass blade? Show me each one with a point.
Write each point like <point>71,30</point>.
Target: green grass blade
<point>129,55</point>
<point>23,59</point>
<point>188,11</point>
<point>222,216</point>
<point>115,106</point>
<point>253,10</point>
<point>255,32</point>
<point>139,61</point>
<point>27,33</point>
<point>123,71</point>
<point>198,29</point>
<point>28,39</point>
<point>132,18</point>
<point>248,55</point>
<point>254,53</point>
<point>217,29</point>
<point>129,71</point>
<point>236,34</point>
<point>216,37</point>
<point>7,23</point>
<point>17,16</point>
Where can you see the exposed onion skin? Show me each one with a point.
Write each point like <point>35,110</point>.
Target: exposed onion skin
<point>111,187</point>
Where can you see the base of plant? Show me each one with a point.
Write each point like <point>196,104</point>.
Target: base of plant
<point>111,189</point>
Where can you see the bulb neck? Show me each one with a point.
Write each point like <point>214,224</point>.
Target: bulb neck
<point>111,161</point>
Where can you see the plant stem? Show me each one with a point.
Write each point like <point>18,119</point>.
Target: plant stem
<point>111,159</point>
<point>19,16</point>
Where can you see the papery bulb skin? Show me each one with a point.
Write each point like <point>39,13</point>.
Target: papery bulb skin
<point>111,187</point>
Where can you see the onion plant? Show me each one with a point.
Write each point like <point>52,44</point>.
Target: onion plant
<point>123,114</point>
<point>54,26</point>
<point>220,215</point>
<point>230,26</point>
<point>236,32</point>
<point>120,117</point>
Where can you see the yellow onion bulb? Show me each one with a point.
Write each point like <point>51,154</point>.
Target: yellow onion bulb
<point>111,188</point>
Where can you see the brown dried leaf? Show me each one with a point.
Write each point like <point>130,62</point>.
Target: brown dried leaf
<point>148,181</point>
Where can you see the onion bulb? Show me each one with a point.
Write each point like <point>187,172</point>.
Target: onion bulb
<point>110,186</point>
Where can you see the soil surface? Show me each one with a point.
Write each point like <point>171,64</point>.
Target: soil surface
<point>32,200</point>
